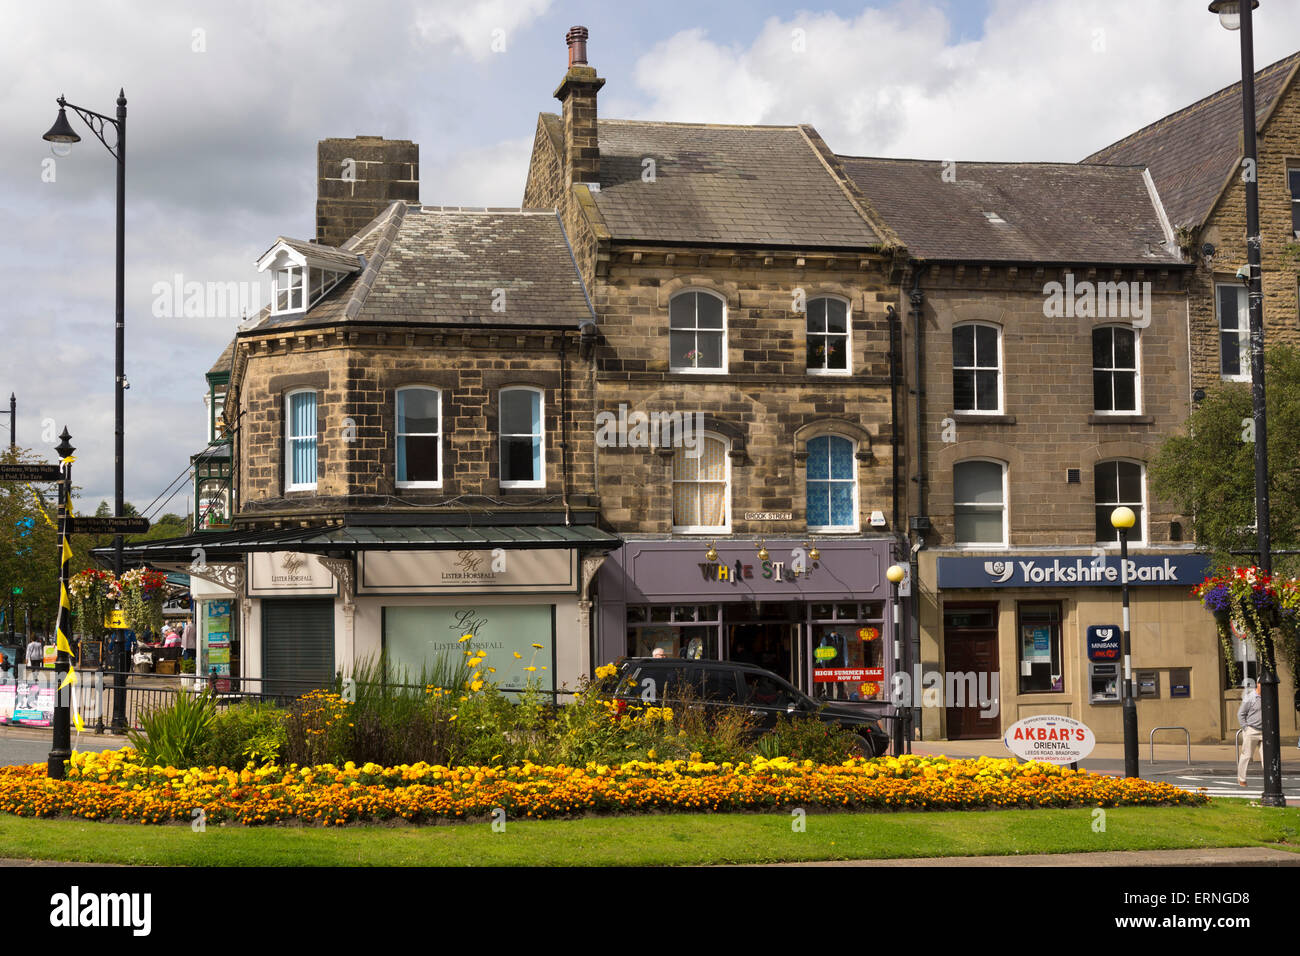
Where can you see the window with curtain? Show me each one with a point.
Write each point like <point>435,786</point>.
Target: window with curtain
<point>832,484</point>
<point>521,438</point>
<point>979,502</point>
<point>300,440</point>
<point>976,366</point>
<point>1114,369</point>
<point>419,437</point>
<point>697,333</point>
<point>700,493</point>
<point>828,336</point>
<point>1117,483</point>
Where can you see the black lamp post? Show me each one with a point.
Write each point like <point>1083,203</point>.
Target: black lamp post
<point>62,132</point>
<point>61,746</point>
<point>895,574</point>
<point>1235,15</point>
<point>1121,519</point>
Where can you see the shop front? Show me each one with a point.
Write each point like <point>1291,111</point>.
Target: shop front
<point>815,613</point>
<point>1016,635</point>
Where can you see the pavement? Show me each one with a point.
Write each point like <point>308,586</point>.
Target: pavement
<point>1219,856</point>
<point>24,745</point>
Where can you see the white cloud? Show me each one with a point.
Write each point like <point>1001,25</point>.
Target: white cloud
<point>478,30</point>
<point>1051,80</point>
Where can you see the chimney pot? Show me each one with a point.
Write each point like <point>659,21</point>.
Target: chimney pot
<point>576,38</point>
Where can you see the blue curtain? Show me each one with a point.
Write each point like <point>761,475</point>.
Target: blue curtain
<point>302,430</point>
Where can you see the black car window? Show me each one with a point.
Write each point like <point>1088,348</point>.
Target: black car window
<point>659,682</point>
<point>720,685</point>
<point>763,691</point>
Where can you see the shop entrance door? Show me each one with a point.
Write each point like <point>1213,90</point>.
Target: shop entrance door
<point>297,644</point>
<point>772,645</point>
<point>970,646</point>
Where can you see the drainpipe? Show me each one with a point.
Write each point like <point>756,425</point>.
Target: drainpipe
<point>564,428</point>
<point>920,523</point>
<point>893,411</point>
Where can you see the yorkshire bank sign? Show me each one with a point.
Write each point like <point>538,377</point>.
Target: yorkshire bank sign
<point>1091,570</point>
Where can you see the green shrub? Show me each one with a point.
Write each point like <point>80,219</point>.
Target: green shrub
<point>807,738</point>
<point>173,736</point>
<point>250,731</point>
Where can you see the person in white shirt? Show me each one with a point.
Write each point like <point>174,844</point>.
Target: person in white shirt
<point>1250,717</point>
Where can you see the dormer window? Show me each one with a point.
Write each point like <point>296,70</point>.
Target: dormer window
<point>304,273</point>
<point>288,289</point>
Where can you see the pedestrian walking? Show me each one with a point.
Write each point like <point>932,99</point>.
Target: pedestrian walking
<point>35,654</point>
<point>1250,717</point>
<point>187,641</point>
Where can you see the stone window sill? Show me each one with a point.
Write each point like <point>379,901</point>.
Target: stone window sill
<point>1121,420</point>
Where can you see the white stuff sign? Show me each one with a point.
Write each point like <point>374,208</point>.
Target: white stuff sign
<point>1050,738</point>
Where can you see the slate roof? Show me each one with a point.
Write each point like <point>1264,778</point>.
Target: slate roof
<point>1193,152</point>
<point>319,252</point>
<point>722,185</point>
<point>434,265</point>
<point>1055,213</point>
<point>225,360</point>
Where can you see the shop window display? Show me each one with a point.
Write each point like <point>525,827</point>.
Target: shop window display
<point>1041,669</point>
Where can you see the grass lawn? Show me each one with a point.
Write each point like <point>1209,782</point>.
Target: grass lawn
<point>661,839</point>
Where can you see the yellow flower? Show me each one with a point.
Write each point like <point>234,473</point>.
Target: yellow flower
<point>538,646</point>
<point>530,668</point>
<point>518,656</point>
<point>467,637</point>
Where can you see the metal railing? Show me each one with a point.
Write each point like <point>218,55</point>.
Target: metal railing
<point>1152,740</point>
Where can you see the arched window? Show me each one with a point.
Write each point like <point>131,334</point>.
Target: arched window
<point>702,487</point>
<point>419,437</point>
<point>976,368</point>
<point>979,502</point>
<point>1117,483</point>
<point>697,332</point>
<point>300,440</point>
<point>523,438</point>
<point>832,484</point>
<point>828,337</point>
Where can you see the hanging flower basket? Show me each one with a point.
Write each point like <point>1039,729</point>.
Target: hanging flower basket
<point>143,594</point>
<point>93,594</point>
<point>1249,605</point>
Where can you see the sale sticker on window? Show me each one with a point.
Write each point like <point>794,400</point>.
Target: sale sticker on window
<point>829,675</point>
<point>1050,738</point>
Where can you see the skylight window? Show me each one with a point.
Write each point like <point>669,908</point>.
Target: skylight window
<point>995,218</point>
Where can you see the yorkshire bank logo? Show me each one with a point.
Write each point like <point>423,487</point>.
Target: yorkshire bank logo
<point>999,571</point>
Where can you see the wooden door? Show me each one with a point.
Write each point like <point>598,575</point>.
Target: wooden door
<point>970,645</point>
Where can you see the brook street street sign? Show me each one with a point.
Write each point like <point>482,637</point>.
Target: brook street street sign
<point>22,472</point>
<point>109,525</point>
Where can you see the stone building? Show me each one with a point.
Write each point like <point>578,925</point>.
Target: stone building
<point>1047,339</point>
<point>742,374</point>
<point>411,422</point>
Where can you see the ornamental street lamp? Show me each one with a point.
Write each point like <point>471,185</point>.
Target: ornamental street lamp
<point>1122,519</point>
<point>1235,15</point>
<point>895,575</point>
<point>62,132</point>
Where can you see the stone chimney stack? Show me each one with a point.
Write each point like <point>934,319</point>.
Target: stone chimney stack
<point>357,179</point>
<point>577,95</point>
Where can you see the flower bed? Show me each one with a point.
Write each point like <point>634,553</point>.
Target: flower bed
<point>114,786</point>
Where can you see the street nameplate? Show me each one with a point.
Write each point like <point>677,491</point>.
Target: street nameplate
<point>93,524</point>
<point>769,515</point>
<point>21,472</point>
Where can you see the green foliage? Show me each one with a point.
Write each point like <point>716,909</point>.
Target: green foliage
<point>173,735</point>
<point>1209,472</point>
<point>247,731</point>
<point>807,738</point>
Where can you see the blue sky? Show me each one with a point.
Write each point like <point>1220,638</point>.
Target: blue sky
<point>222,146</point>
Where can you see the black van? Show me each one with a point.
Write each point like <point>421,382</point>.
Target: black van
<point>730,684</point>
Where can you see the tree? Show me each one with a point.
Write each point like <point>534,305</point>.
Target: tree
<point>1209,470</point>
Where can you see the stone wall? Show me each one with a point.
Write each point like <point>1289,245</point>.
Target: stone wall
<point>357,179</point>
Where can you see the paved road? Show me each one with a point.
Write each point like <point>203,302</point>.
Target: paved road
<point>19,745</point>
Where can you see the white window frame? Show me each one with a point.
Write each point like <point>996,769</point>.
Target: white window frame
<point>1006,505</point>
<point>285,282</point>
<point>725,527</point>
<point>399,435</point>
<point>848,335</point>
<point>541,436</point>
<point>1137,536</point>
<point>835,528</point>
<point>974,368</point>
<point>1137,370</point>
<point>692,370</point>
<point>1243,330</point>
<point>290,438</point>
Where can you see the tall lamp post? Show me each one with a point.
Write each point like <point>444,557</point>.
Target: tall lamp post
<point>895,574</point>
<point>1122,519</point>
<point>62,132</point>
<point>1235,15</point>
